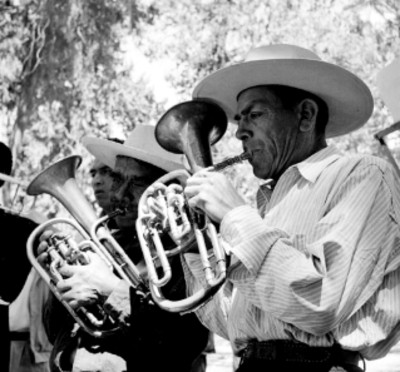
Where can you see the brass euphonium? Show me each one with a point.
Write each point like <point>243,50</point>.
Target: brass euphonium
<point>58,180</point>
<point>188,128</point>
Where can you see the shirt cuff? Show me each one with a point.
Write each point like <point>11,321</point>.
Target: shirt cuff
<point>248,236</point>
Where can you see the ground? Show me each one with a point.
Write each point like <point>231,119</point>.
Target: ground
<point>222,360</point>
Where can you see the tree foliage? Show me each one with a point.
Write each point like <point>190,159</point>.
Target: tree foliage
<point>97,67</point>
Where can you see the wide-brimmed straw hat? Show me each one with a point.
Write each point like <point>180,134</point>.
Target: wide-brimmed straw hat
<point>140,144</point>
<point>349,100</point>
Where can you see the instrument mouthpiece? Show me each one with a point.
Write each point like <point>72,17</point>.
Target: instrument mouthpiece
<point>231,161</point>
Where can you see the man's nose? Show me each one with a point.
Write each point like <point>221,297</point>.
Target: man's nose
<point>97,179</point>
<point>243,132</point>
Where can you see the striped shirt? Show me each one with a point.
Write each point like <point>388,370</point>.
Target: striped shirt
<point>322,264</point>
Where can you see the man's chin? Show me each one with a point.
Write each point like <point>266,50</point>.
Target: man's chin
<point>103,203</point>
<point>261,173</point>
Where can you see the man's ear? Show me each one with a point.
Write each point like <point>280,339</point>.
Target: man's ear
<point>307,111</point>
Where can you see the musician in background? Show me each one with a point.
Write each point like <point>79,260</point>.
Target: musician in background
<point>102,182</point>
<point>314,278</point>
<point>23,343</point>
<point>150,339</point>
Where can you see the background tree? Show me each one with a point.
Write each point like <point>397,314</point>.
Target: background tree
<point>71,68</point>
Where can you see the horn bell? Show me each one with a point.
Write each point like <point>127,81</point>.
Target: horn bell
<point>191,128</point>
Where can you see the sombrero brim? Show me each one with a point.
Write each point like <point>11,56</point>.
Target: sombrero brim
<point>348,98</point>
<point>107,151</point>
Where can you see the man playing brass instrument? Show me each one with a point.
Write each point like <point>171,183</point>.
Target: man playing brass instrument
<point>150,339</point>
<point>102,179</point>
<point>314,280</point>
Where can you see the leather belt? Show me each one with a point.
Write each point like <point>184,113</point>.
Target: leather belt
<point>297,352</point>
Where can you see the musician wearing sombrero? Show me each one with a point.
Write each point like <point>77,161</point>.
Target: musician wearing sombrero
<point>314,279</point>
<point>150,339</point>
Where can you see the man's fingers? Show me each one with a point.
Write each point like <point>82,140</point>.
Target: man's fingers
<point>193,190</point>
<point>63,286</point>
<point>196,203</point>
<point>73,303</point>
<point>46,235</point>
<point>198,179</point>
<point>67,270</point>
<point>42,247</point>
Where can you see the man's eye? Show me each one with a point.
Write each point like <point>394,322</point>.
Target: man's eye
<point>255,115</point>
<point>106,172</point>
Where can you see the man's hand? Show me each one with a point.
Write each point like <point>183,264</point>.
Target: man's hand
<point>168,212</point>
<point>87,284</point>
<point>43,256</point>
<point>80,284</point>
<point>212,193</point>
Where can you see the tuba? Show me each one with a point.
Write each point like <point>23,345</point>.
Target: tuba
<point>188,128</point>
<point>58,180</point>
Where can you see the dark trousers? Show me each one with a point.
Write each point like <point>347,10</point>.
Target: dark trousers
<point>254,365</point>
<point>288,355</point>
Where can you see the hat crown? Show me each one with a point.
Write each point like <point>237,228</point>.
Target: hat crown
<point>280,51</point>
<point>141,144</point>
<point>142,138</point>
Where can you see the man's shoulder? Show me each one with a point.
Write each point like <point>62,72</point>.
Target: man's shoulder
<point>360,161</point>
<point>355,168</point>
<point>13,219</point>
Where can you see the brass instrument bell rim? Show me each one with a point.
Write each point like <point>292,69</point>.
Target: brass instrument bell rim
<point>35,186</point>
<point>217,127</point>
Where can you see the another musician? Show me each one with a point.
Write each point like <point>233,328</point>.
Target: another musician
<point>314,280</point>
<point>150,339</point>
<point>23,343</point>
<point>102,182</point>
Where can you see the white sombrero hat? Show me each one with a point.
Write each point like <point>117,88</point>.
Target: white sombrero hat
<point>388,82</point>
<point>141,144</point>
<point>348,98</point>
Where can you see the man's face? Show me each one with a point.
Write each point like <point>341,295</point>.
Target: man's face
<point>267,130</point>
<point>131,180</point>
<point>102,181</point>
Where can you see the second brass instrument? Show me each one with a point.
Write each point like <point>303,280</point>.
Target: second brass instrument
<point>58,180</point>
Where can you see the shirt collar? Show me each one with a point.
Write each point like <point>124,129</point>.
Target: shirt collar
<point>313,166</point>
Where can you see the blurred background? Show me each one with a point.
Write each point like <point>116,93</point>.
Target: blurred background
<point>70,68</point>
